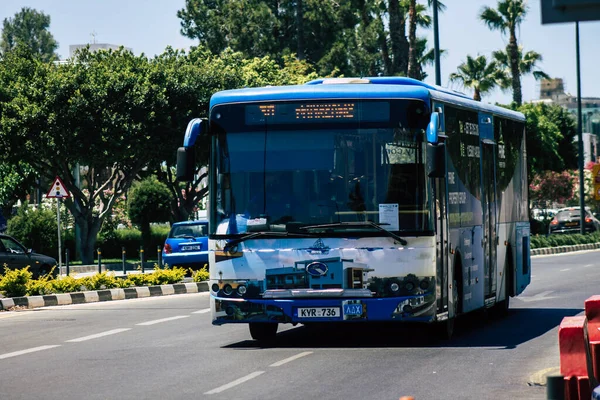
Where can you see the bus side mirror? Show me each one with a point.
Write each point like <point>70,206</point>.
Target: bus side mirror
<point>433,128</point>
<point>436,160</point>
<point>186,163</point>
<point>186,155</point>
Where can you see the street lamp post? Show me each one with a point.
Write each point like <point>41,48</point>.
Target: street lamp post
<point>436,43</point>
<point>580,135</point>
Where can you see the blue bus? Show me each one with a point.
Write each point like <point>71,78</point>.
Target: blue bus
<point>358,200</point>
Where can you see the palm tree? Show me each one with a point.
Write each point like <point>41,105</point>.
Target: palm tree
<point>527,63</point>
<point>478,75</point>
<point>507,18</point>
<point>425,57</point>
<point>417,17</point>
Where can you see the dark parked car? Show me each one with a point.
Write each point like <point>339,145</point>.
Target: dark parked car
<point>567,220</point>
<point>15,256</point>
<point>187,245</point>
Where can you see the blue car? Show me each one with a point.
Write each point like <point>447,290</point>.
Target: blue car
<point>187,245</point>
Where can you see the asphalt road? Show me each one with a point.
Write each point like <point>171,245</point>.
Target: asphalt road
<point>166,348</point>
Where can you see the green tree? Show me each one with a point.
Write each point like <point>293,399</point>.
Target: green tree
<point>544,139</point>
<point>36,229</point>
<point>16,182</point>
<point>148,201</point>
<point>507,18</point>
<point>479,75</point>
<point>104,111</point>
<point>527,65</point>
<point>29,28</point>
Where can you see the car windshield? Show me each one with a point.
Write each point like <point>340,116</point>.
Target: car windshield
<point>11,246</point>
<point>189,230</point>
<point>570,214</point>
<point>275,177</point>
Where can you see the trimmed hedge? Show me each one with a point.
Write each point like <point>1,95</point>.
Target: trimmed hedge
<point>541,241</point>
<point>131,239</point>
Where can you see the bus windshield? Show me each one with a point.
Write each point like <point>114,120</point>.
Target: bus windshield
<point>279,176</point>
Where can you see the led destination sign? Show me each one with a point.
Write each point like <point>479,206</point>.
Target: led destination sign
<point>317,112</point>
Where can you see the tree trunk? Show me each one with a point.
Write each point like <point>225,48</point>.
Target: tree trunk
<point>300,29</point>
<point>412,41</point>
<point>385,52</point>
<point>88,228</point>
<point>146,237</point>
<point>513,51</point>
<point>477,95</point>
<point>398,38</point>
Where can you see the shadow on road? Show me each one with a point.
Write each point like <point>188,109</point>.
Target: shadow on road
<point>474,330</point>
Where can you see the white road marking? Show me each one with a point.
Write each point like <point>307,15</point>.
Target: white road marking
<point>235,383</point>
<point>292,358</point>
<point>27,351</point>
<point>158,321</point>
<point>566,269</point>
<point>97,335</point>
<point>204,311</point>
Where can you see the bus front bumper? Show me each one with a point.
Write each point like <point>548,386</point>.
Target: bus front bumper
<point>418,308</point>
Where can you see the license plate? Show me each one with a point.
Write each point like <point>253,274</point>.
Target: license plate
<point>353,309</point>
<point>191,247</point>
<point>318,312</point>
<point>572,223</point>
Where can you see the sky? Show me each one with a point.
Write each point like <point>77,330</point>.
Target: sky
<point>149,26</point>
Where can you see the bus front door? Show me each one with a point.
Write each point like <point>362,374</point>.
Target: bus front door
<point>488,203</point>
<point>442,246</point>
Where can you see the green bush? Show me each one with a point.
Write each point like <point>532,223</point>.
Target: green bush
<point>14,282</point>
<point>38,287</point>
<point>165,276</point>
<point>66,284</point>
<point>138,279</point>
<point>556,240</point>
<point>131,239</point>
<point>36,229</point>
<point>200,275</point>
<point>103,280</point>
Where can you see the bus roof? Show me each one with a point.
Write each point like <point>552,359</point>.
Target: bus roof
<point>359,88</point>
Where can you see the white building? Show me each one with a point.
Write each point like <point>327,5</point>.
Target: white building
<point>94,47</point>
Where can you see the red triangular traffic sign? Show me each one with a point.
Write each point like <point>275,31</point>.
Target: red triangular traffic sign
<point>58,190</point>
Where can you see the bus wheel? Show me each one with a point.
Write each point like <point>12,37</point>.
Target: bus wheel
<point>263,331</point>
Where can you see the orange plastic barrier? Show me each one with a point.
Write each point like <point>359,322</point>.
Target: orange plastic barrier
<point>592,313</point>
<point>573,345</point>
<point>579,344</point>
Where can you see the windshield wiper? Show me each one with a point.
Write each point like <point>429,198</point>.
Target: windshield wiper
<point>358,224</point>
<point>235,242</point>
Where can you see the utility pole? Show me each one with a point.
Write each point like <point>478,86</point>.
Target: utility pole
<point>436,43</point>
<point>580,136</point>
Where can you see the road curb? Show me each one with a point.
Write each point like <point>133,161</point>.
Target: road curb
<point>564,249</point>
<point>93,296</point>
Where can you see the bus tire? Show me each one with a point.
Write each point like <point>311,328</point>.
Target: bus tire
<point>263,331</point>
